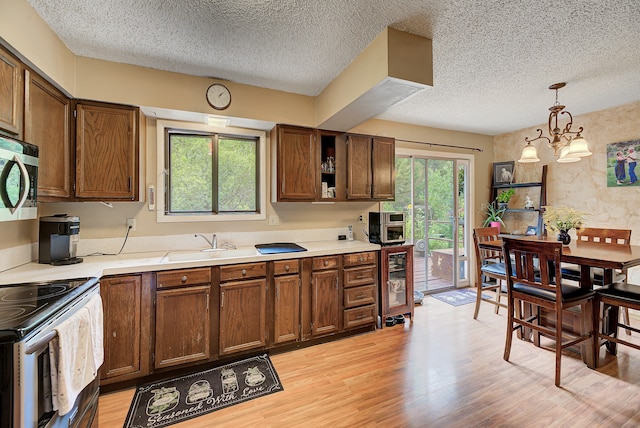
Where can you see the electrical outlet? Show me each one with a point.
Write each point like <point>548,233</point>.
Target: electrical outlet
<point>362,218</point>
<point>131,224</point>
<point>274,220</point>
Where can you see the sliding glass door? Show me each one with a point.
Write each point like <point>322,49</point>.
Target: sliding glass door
<point>433,194</point>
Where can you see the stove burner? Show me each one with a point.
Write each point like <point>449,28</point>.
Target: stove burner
<point>21,294</point>
<point>12,313</point>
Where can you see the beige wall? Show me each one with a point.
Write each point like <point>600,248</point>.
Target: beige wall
<point>107,81</point>
<point>581,185</point>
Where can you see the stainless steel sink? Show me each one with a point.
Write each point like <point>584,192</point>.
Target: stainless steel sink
<point>220,253</point>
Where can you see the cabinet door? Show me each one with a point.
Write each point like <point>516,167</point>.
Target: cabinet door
<point>11,95</point>
<point>383,167</point>
<point>106,152</point>
<point>126,336</point>
<point>297,165</point>
<point>242,315</point>
<point>182,325</point>
<point>358,167</point>
<point>287,309</point>
<point>325,302</point>
<point>46,124</point>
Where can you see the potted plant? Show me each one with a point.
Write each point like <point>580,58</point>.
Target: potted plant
<point>504,197</point>
<point>494,216</point>
<point>561,220</point>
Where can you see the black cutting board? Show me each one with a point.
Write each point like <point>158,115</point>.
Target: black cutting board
<point>279,247</point>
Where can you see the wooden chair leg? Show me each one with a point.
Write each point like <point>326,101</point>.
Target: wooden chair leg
<point>625,319</point>
<point>558,346</point>
<point>498,293</point>
<point>478,298</point>
<point>509,335</point>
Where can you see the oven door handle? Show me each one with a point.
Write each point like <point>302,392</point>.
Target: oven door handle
<point>40,344</point>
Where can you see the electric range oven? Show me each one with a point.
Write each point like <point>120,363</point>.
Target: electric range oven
<point>29,314</point>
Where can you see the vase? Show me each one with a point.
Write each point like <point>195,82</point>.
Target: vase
<point>496,224</point>
<point>564,237</point>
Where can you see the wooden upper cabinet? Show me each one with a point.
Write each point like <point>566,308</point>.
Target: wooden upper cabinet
<point>359,167</point>
<point>46,124</point>
<point>11,93</point>
<point>106,151</point>
<point>370,167</point>
<point>383,167</point>
<point>296,163</point>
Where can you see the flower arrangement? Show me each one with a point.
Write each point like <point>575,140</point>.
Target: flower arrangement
<point>562,218</point>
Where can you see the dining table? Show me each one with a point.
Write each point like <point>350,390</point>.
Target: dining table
<point>588,255</point>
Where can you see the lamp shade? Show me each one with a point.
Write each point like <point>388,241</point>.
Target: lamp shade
<point>579,147</point>
<point>529,154</point>
<point>566,156</point>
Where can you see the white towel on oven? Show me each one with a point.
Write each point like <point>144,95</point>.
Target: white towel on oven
<point>74,355</point>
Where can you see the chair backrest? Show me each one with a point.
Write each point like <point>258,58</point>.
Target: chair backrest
<point>605,236</point>
<point>482,234</point>
<point>533,263</point>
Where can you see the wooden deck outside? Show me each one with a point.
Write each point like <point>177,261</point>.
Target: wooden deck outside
<point>423,272</point>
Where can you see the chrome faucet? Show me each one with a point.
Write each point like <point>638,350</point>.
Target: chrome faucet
<point>214,240</point>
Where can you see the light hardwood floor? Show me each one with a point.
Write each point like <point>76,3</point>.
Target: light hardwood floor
<point>444,370</point>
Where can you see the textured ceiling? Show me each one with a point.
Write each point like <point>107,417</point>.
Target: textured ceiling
<point>493,59</point>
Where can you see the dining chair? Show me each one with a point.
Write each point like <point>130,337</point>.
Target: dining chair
<point>534,279</point>
<point>620,295</point>
<point>604,236</point>
<point>491,270</point>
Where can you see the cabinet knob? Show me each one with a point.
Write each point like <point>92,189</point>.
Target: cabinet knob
<point>244,272</point>
<point>114,333</point>
<point>326,262</point>
<point>286,267</point>
<point>361,259</point>
<point>184,278</point>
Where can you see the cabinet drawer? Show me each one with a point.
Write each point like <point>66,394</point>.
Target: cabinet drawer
<point>359,258</point>
<point>284,267</point>
<point>244,271</point>
<point>176,278</point>
<point>325,262</point>
<point>358,296</point>
<point>358,317</point>
<point>359,276</point>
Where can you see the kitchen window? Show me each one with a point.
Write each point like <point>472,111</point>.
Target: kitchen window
<point>210,174</point>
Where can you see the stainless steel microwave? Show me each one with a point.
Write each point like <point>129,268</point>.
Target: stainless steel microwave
<point>387,228</point>
<point>18,179</point>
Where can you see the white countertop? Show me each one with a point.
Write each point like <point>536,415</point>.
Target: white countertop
<point>98,266</point>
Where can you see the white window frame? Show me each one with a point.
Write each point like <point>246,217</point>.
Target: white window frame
<point>261,213</point>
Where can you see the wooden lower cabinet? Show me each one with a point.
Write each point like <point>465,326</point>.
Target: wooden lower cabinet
<point>183,323</point>
<point>126,302</point>
<point>325,296</point>
<point>360,276</point>
<point>243,304</point>
<point>286,302</point>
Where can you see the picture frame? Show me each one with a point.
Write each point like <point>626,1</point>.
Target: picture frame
<point>531,231</point>
<point>621,164</point>
<point>503,172</point>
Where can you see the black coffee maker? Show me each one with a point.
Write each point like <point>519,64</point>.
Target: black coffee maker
<point>59,235</point>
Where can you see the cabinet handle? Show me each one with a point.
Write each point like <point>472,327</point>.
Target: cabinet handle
<point>114,333</point>
<point>336,283</point>
<point>326,262</point>
<point>207,303</point>
<point>359,317</point>
<point>286,267</point>
<point>278,292</point>
<point>244,272</point>
<point>361,259</point>
<point>184,278</point>
<point>360,296</point>
<point>222,300</point>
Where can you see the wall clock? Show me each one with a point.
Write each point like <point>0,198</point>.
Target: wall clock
<point>218,96</point>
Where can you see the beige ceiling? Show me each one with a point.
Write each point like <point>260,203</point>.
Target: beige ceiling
<point>493,59</point>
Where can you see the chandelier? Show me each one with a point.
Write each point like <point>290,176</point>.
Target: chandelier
<point>566,147</point>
